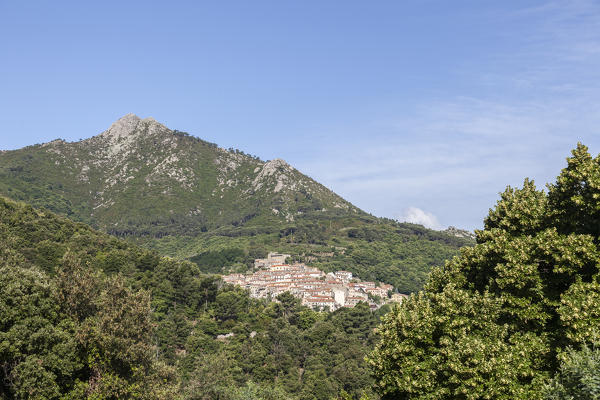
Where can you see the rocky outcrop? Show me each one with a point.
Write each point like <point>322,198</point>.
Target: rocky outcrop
<point>461,233</point>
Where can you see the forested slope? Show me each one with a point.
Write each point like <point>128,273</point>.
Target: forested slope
<point>86,315</point>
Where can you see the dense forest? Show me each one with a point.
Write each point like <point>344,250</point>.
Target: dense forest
<point>86,315</point>
<point>372,249</point>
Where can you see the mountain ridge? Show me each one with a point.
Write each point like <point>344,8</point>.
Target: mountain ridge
<point>184,196</point>
<point>133,147</point>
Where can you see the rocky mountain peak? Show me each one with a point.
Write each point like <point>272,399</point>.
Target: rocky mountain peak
<point>278,169</point>
<point>127,126</point>
<point>123,127</point>
<point>272,166</point>
<point>54,143</point>
<point>150,120</point>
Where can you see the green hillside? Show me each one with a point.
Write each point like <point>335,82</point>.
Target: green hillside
<point>86,315</point>
<point>185,197</point>
<point>140,178</point>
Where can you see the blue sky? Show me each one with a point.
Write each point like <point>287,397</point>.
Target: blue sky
<point>415,110</point>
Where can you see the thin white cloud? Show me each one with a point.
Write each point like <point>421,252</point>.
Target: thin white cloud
<point>415,215</point>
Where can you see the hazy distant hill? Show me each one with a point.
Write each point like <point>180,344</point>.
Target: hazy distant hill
<point>186,197</point>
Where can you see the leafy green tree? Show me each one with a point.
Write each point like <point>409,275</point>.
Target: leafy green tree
<point>38,351</point>
<point>491,322</point>
<point>578,377</point>
<point>253,391</point>
<point>77,286</point>
<point>117,340</point>
<point>287,307</point>
<point>357,320</point>
<point>229,304</point>
<point>212,378</point>
<point>317,386</point>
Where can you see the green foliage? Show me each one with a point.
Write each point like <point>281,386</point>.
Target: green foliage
<point>67,329</point>
<point>253,391</point>
<point>278,350</point>
<point>38,356</point>
<point>48,350</point>
<point>100,318</point>
<point>215,261</point>
<point>230,304</point>
<point>402,254</point>
<point>492,321</point>
<point>578,377</point>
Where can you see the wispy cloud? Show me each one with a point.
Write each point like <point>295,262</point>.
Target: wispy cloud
<point>559,49</point>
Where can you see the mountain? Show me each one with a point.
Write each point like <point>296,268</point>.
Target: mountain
<point>140,178</point>
<point>186,197</point>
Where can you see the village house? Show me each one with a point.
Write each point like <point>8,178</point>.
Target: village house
<point>320,303</point>
<point>315,288</point>
<point>344,276</point>
<point>272,259</point>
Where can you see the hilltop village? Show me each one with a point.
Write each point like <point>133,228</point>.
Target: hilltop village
<point>314,287</point>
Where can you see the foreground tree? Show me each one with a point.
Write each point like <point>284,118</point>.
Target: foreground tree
<point>491,322</point>
<point>38,357</point>
<point>77,335</point>
<point>578,377</point>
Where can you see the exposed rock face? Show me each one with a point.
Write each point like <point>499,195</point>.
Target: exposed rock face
<point>52,143</point>
<point>279,170</point>
<point>123,127</point>
<point>461,233</point>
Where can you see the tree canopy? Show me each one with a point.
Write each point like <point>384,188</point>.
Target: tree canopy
<point>86,315</point>
<point>494,321</point>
